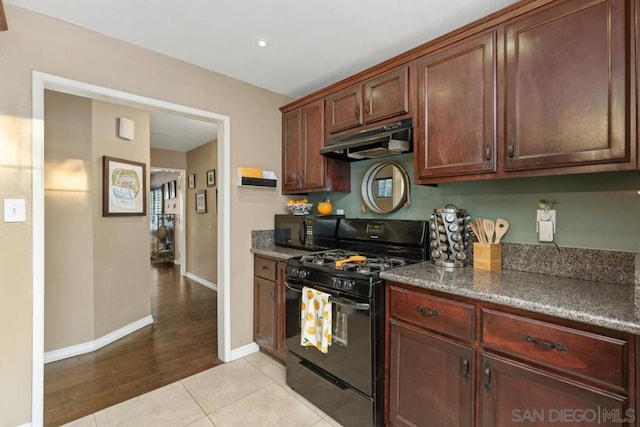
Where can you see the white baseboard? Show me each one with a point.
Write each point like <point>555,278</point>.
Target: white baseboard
<point>240,352</point>
<point>87,347</point>
<point>201,281</point>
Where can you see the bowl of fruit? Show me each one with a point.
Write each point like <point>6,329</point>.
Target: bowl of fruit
<point>299,207</point>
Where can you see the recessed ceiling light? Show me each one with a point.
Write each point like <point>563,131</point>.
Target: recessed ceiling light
<point>262,43</point>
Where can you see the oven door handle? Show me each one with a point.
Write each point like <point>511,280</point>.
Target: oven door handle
<point>350,304</point>
<point>341,301</point>
<point>293,289</point>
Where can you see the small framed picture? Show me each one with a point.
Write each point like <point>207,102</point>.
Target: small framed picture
<point>172,190</point>
<point>192,181</point>
<point>124,187</point>
<point>165,191</point>
<point>201,201</point>
<point>211,178</point>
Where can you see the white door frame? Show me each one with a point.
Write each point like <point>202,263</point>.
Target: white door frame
<point>42,81</point>
<point>181,229</point>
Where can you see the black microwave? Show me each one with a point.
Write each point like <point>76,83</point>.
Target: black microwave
<point>307,231</point>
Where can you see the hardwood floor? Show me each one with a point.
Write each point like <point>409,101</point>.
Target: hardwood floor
<point>181,342</point>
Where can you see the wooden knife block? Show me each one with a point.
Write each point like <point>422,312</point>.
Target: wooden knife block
<point>487,256</point>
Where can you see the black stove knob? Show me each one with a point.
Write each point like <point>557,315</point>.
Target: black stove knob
<point>349,285</point>
<point>303,274</point>
<point>294,272</point>
<point>336,282</point>
<point>342,283</point>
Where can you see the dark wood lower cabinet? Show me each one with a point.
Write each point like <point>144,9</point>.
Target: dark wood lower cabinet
<point>268,307</point>
<point>432,379</point>
<point>514,393</point>
<point>281,299</point>
<point>265,313</point>
<point>518,368</point>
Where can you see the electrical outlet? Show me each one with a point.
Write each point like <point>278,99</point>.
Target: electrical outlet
<point>546,224</point>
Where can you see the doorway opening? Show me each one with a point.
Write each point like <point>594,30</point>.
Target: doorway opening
<point>42,81</point>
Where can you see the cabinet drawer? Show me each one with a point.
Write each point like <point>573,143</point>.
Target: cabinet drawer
<point>438,314</point>
<point>596,357</point>
<point>265,268</point>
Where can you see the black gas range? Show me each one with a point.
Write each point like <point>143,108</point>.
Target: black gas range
<point>347,381</point>
<point>342,270</point>
<point>364,248</point>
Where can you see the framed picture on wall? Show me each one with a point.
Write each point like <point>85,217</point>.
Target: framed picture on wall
<point>201,201</point>
<point>165,191</point>
<point>192,181</point>
<point>172,189</point>
<point>211,178</point>
<point>124,187</point>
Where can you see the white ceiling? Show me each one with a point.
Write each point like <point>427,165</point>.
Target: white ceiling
<point>172,132</point>
<point>312,43</point>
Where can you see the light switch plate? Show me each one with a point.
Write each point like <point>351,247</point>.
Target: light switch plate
<point>15,210</point>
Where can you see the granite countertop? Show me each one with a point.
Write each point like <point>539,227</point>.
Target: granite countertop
<point>602,304</point>
<point>596,303</point>
<point>278,252</point>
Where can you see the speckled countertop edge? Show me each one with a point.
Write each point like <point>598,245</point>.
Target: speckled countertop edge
<point>278,252</point>
<point>601,304</point>
<point>595,303</point>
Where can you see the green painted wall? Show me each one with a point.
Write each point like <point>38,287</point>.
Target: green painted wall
<point>598,211</point>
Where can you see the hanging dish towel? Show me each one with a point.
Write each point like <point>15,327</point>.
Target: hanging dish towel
<point>315,312</point>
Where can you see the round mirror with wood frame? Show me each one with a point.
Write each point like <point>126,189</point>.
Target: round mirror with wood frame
<point>385,187</point>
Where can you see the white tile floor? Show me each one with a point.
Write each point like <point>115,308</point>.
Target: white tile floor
<point>247,392</point>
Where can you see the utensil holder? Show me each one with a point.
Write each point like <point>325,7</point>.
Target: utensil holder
<point>487,256</point>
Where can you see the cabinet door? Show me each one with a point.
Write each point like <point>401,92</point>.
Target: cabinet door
<point>291,150</point>
<point>264,313</point>
<point>456,107</point>
<point>344,109</point>
<point>566,90</point>
<point>515,394</point>
<point>430,379</point>
<point>281,338</point>
<point>387,95</point>
<point>314,164</point>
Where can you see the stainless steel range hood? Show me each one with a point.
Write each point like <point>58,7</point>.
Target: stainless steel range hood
<point>388,140</point>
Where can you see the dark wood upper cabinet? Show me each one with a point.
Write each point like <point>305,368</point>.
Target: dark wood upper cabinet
<point>387,95</point>
<point>566,90</point>
<point>542,87</point>
<point>344,109</point>
<point>304,169</point>
<point>313,163</point>
<point>382,97</point>
<point>291,149</point>
<point>457,110</point>
<point>3,18</point>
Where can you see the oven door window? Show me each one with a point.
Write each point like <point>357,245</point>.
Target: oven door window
<point>340,327</point>
<point>350,354</point>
